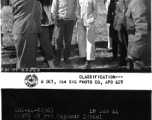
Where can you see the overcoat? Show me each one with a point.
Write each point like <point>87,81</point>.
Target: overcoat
<point>140,43</point>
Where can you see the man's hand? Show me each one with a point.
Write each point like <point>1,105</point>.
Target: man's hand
<point>54,18</point>
<point>105,1</point>
<point>79,20</point>
<point>108,24</point>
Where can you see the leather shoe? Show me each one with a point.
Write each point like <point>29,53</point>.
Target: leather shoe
<point>122,62</point>
<point>113,59</point>
<point>109,50</point>
<point>67,61</point>
<point>57,62</point>
<point>130,58</point>
<point>87,65</point>
<point>83,59</point>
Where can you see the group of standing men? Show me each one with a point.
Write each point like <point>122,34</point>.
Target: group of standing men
<point>35,19</point>
<point>130,32</point>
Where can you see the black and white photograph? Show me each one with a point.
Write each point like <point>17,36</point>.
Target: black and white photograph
<point>76,35</point>
<point>75,60</point>
<point>42,104</point>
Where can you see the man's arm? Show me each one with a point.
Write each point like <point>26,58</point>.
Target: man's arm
<point>75,7</point>
<point>77,12</point>
<point>139,16</point>
<point>54,9</point>
<point>95,9</point>
<point>105,1</point>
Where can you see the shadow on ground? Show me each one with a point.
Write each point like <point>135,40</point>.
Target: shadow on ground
<point>9,52</point>
<point>102,63</point>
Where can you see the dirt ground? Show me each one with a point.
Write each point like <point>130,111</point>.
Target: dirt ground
<point>103,58</point>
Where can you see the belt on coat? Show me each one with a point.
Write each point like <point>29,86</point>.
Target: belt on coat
<point>61,18</point>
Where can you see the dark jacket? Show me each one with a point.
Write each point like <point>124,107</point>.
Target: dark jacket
<point>110,19</point>
<point>111,12</point>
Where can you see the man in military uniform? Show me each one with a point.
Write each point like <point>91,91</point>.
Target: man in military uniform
<point>112,32</point>
<point>63,12</point>
<point>26,26</point>
<point>45,37</point>
<point>138,27</point>
<point>120,26</point>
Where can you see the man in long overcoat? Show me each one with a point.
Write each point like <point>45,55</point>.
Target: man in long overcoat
<point>26,26</point>
<point>139,30</point>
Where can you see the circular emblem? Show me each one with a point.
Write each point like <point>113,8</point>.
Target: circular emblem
<point>31,80</point>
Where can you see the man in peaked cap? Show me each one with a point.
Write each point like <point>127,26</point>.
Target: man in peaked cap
<point>139,30</point>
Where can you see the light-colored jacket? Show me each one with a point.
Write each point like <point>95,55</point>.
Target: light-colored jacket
<point>86,10</point>
<point>139,11</point>
<point>64,9</point>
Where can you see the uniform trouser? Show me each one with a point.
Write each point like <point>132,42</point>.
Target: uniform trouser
<point>134,65</point>
<point>46,43</point>
<point>51,30</point>
<point>86,40</point>
<point>123,43</point>
<point>26,50</point>
<point>114,37</point>
<point>64,29</point>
